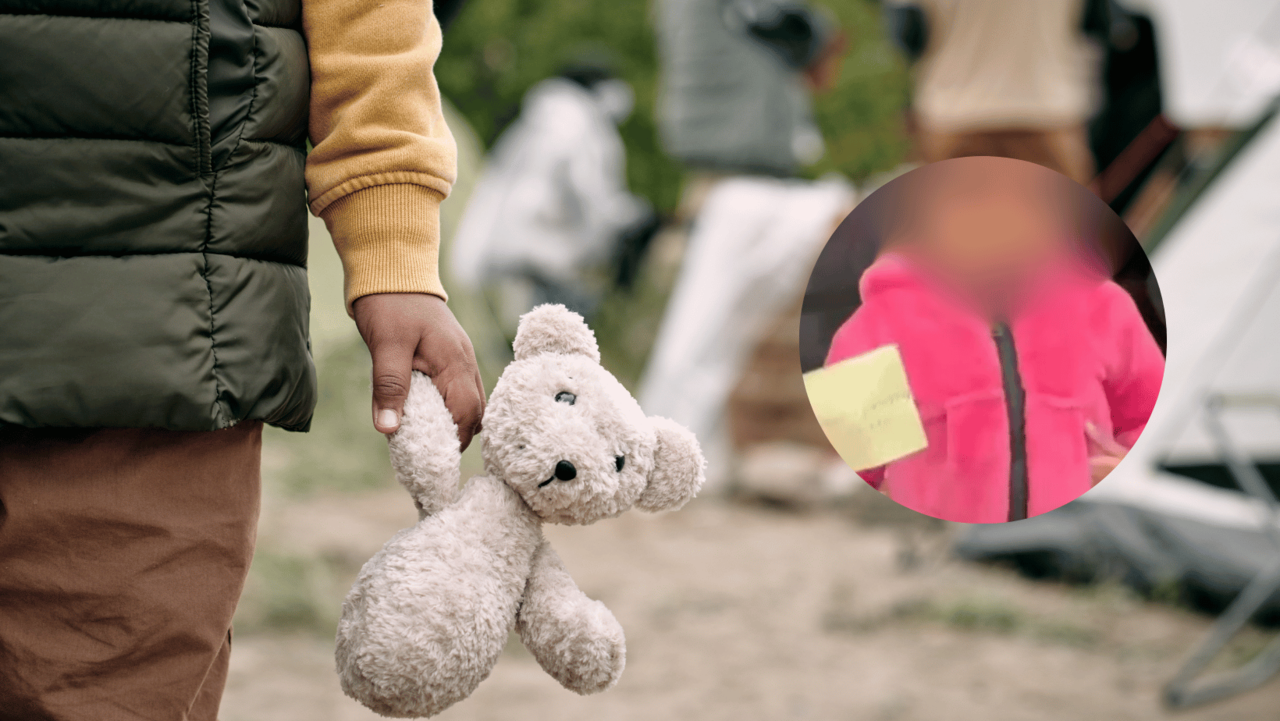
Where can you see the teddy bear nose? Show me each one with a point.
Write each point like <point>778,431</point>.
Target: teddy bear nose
<point>565,471</point>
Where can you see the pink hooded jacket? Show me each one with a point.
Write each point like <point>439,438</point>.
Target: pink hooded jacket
<point>1083,353</point>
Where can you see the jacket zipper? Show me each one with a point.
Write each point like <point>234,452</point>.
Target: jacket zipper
<point>1015,403</point>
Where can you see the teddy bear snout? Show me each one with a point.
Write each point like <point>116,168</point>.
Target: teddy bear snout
<point>565,471</point>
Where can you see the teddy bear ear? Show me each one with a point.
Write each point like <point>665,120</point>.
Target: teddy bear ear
<point>678,468</point>
<point>554,329</point>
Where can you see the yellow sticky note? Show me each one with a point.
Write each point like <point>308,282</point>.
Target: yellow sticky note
<point>865,406</point>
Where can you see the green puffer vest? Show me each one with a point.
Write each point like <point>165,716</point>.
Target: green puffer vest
<point>153,223</point>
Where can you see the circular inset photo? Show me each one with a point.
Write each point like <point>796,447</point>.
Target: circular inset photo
<point>982,340</point>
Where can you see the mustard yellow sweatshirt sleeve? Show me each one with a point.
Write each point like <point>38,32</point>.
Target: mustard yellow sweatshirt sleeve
<point>382,157</point>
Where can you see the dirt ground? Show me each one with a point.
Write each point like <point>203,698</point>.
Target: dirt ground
<point>732,610</point>
<point>738,611</point>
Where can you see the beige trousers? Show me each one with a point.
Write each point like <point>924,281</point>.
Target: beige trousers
<point>1065,150</point>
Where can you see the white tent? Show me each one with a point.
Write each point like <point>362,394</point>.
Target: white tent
<point>1219,275</point>
<point>1219,60</point>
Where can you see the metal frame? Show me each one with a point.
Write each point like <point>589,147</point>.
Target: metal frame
<point>1187,689</point>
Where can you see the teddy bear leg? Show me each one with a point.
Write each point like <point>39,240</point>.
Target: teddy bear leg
<point>425,451</point>
<point>574,638</point>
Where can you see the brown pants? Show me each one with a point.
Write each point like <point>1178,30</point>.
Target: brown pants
<point>1065,150</point>
<point>122,556</point>
<point>769,402</point>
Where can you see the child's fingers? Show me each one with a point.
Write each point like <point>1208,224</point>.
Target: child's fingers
<point>1109,456</point>
<point>1106,443</point>
<point>1100,466</point>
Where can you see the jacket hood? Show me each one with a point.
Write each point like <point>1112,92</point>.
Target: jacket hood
<point>893,272</point>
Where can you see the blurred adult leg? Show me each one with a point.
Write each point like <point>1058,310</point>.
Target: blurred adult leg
<point>123,553</point>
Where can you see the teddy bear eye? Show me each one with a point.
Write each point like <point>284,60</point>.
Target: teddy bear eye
<point>566,397</point>
<point>618,462</point>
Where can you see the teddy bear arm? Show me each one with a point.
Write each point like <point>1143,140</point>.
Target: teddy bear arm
<point>425,451</point>
<point>575,639</point>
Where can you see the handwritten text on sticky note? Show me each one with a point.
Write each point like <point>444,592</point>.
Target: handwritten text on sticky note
<point>864,405</point>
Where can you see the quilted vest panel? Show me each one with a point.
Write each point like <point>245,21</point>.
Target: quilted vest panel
<point>153,229</point>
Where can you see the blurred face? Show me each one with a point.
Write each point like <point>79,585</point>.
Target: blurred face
<point>986,222</point>
<point>616,99</point>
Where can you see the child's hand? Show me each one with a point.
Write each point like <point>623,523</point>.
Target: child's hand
<point>1105,453</point>
<point>416,331</point>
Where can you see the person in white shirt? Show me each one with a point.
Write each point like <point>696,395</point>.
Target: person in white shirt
<point>552,206</point>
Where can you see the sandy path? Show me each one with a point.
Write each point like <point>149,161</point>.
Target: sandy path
<point>737,612</point>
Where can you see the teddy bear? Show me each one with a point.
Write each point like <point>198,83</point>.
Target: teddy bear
<point>563,442</point>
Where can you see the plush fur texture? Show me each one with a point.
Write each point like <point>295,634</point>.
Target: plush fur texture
<point>425,459</point>
<point>550,329</point>
<point>430,613</point>
<point>1084,355</point>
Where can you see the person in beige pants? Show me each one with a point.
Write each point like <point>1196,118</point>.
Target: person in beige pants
<point>1004,78</point>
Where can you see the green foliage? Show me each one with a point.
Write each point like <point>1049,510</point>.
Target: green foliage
<point>861,117</point>
<point>289,592</point>
<point>626,327</point>
<point>995,615</point>
<point>1169,591</point>
<point>986,615</point>
<point>992,616</point>
<point>342,451</point>
<point>497,49</point>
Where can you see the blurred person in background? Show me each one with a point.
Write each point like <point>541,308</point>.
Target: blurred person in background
<point>735,108</point>
<point>737,77</point>
<point>1004,78</point>
<point>551,219</point>
<point>154,312</point>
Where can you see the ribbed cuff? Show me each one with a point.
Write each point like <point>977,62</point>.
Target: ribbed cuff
<point>388,237</point>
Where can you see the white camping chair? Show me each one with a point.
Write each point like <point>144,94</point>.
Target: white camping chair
<point>1187,689</point>
<point>1220,275</point>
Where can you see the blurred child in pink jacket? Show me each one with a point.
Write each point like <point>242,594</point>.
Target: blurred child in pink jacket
<point>1033,372</point>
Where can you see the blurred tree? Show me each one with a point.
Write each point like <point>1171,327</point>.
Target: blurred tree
<point>861,118</point>
<point>495,50</point>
